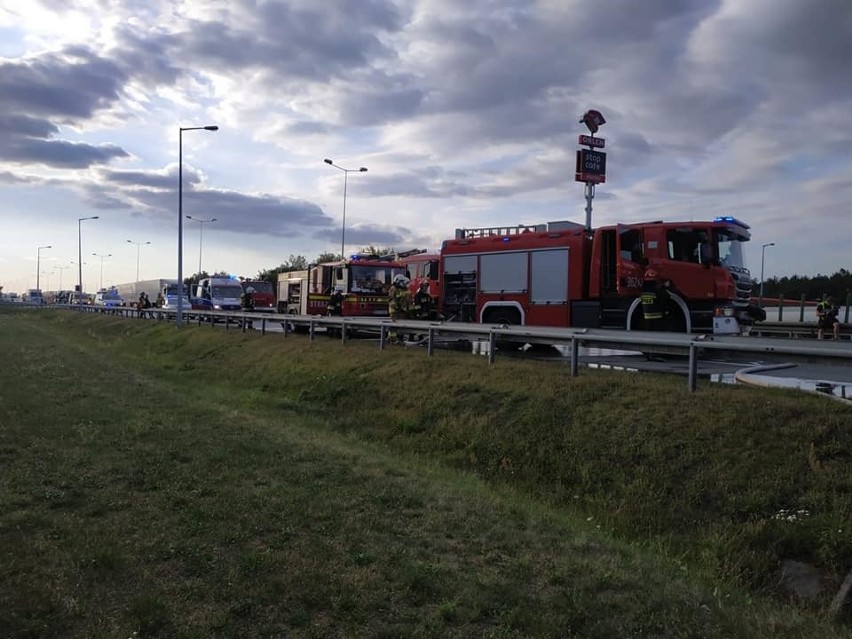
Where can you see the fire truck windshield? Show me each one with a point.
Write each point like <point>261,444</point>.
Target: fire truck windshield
<point>262,287</point>
<point>230,291</point>
<point>729,248</point>
<point>372,279</point>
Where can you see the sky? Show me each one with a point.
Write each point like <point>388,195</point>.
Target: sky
<point>466,114</point>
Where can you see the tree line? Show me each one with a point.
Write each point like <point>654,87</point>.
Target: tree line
<point>813,288</point>
<point>293,263</point>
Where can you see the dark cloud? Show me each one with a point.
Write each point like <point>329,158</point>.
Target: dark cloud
<point>366,235</point>
<point>290,40</point>
<point>59,153</point>
<point>67,86</point>
<point>64,87</point>
<point>154,194</point>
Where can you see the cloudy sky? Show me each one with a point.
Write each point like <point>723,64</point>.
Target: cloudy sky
<point>465,114</point>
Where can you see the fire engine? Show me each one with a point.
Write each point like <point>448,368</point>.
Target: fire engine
<point>363,279</point>
<point>263,295</point>
<point>563,274</point>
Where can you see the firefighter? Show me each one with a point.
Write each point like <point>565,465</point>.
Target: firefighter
<point>827,313</point>
<point>247,299</point>
<point>423,302</point>
<point>158,303</point>
<point>142,304</point>
<point>655,298</point>
<point>335,309</point>
<point>399,303</point>
<point>335,303</point>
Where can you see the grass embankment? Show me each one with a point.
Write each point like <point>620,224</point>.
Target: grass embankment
<point>198,483</point>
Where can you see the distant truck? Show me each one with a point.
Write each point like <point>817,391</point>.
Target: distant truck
<point>131,291</point>
<point>33,296</point>
<point>217,294</point>
<point>263,295</point>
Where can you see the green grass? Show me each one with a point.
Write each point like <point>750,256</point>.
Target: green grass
<point>199,483</point>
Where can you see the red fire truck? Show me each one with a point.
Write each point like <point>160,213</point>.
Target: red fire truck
<point>263,295</point>
<point>562,274</point>
<point>363,279</point>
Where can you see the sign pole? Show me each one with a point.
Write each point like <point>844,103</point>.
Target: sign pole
<point>590,195</point>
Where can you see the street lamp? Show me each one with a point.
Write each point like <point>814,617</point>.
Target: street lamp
<point>101,287</point>
<point>762,260</point>
<point>346,173</point>
<point>38,265</point>
<point>201,223</point>
<point>179,321</point>
<point>60,269</point>
<point>80,256</point>
<point>139,245</point>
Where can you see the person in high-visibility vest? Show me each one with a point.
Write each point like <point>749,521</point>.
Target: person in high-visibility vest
<point>399,303</point>
<point>827,313</point>
<point>655,298</point>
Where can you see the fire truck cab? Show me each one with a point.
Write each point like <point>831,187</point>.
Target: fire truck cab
<point>562,274</point>
<point>363,279</point>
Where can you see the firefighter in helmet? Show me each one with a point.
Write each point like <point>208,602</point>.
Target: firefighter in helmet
<point>335,303</point>
<point>423,302</point>
<point>399,302</point>
<point>247,300</point>
<point>655,300</point>
<point>335,309</point>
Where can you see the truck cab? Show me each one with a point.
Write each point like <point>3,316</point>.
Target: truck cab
<point>217,294</point>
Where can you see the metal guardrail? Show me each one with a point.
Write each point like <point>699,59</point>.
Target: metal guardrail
<point>573,338</point>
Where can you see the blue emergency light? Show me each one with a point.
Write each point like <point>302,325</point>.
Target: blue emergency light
<point>731,219</point>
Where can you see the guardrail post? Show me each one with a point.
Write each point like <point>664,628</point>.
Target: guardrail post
<point>244,323</point>
<point>492,347</point>
<point>802,308</point>
<point>343,332</point>
<point>227,322</point>
<point>383,331</point>
<point>780,307</point>
<point>693,367</point>
<point>575,356</point>
<point>311,331</point>
<point>263,326</point>
<point>430,344</point>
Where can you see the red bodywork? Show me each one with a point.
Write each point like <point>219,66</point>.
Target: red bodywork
<point>263,296</point>
<point>561,274</point>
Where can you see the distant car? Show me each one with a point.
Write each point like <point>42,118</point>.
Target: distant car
<point>170,297</point>
<point>108,298</point>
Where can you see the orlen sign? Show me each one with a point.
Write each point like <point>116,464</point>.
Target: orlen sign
<point>591,166</point>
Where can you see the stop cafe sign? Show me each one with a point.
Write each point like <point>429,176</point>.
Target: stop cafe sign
<point>591,166</point>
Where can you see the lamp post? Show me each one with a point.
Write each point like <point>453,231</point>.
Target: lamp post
<point>38,264</point>
<point>179,320</point>
<point>762,260</point>
<point>346,173</point>
<point>201,224</point>
<point>60,269</point>
<point>101,287</point>
<point>80,256</point>
<point>139,246</point>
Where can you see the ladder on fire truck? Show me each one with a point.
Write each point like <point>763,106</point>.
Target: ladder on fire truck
<point>488,231</point>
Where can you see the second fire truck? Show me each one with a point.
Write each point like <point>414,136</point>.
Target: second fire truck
<point>364,281</point>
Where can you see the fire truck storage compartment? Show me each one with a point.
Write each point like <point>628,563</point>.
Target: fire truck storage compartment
<point>460,287</point>
<point>549,281</point>
<point>585,314</point>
